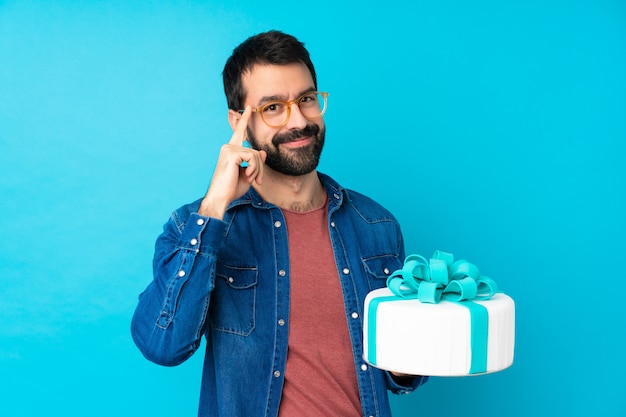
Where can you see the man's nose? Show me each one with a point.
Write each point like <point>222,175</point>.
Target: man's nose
<point>296,118</point>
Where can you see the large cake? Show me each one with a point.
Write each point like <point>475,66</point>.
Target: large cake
<point>439,317</point>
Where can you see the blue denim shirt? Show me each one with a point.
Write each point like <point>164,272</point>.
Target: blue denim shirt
<point>228,280</point>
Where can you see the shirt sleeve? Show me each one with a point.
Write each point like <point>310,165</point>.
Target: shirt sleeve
<point>169,320</point>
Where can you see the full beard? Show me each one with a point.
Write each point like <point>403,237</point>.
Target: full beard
<point>293,162</point>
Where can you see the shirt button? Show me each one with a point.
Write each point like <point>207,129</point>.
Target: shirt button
<point>281,322</point>
<point>276,374</point>
<point>277,223</point>
<point>355,315</point>
<point>200,222</point>
<point>181,273</point>
<point>346,271</point>
<point>332,224</point>
<point>282,273</point>
<point>386,271</point>
<point>364,367</point>
<point>231,279</point>
<point>336,196</point>
<point>193,241</point>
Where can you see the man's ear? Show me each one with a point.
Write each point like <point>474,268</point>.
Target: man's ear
<point>233,118</point>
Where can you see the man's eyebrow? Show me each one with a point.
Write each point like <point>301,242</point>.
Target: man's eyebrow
<point>265,99</point>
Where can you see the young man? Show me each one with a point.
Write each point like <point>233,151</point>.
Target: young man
<point>273,264</point>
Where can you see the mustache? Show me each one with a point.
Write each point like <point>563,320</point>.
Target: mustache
<point>293,135</point>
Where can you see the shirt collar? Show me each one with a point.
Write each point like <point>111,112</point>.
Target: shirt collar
<point>334,191</point>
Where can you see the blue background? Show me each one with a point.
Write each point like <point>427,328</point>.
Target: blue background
<point>493,129</point>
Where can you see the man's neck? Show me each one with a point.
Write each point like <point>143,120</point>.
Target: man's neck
<point>301,193</point>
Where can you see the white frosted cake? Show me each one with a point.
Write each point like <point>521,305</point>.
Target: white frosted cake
<point>443,338</point>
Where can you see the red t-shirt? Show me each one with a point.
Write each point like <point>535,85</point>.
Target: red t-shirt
<point>320,379</point>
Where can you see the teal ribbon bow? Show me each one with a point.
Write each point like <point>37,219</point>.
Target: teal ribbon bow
<point>442,278</point>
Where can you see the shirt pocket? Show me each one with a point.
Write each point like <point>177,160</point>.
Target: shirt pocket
<point>379,267</point>
<point>233,302</point>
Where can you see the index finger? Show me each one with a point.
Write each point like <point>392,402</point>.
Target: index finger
<point>239,135</point>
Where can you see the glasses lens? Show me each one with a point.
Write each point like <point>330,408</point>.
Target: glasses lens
<point>312,105</point>
<point>274,113</point>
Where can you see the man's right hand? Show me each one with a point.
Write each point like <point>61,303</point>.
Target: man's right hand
<point>230,180</point>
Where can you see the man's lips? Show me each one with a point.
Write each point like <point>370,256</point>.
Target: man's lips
<point>298,142</point>
<point>296,138</point>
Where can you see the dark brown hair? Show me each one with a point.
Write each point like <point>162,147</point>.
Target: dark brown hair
<point>273,47</point>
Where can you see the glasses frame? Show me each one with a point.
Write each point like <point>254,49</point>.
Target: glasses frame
<point>288,104</point>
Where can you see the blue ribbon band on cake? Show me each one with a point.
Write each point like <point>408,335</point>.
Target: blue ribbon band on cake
<point>441,278</point>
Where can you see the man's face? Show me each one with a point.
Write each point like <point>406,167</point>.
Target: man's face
<point>295,148</point>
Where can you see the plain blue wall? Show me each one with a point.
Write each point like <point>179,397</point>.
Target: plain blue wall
<point>495,130</point>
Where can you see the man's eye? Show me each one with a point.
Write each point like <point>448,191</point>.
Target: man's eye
<point>309,98</point>
<point>273,108</point>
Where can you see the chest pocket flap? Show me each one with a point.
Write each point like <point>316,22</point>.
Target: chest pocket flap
<point>233,302</point>
<point>379,267</point>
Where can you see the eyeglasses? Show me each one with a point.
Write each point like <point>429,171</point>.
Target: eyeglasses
<point>276,113</point>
